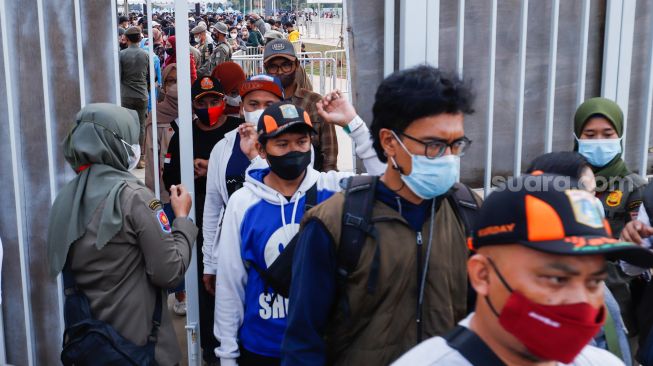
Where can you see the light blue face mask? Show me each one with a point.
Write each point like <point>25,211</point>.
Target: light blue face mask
<point>430,178</point>
<point>599,152</point>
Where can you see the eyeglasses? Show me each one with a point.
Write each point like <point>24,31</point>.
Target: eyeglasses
<point>435,149</point>
<point>284,67</point>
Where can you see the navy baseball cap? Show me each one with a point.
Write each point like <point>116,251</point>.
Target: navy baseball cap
<point>279,117</point>
<point>206,85</point>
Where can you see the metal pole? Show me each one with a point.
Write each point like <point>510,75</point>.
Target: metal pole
<point>460,44</point>
<point>153,101</point>
<point>116,54</point>
<point>647,117</point>
<point>16,158</point>
<point>553,56</point>
<point>80,55</point>
<point>433,32</point>
<point>522,82</point>
<point>186,163</point>
<point>49,141</point>
<point>627,35</point>
<point>319,20</point>
<point>490,113</point>
<point>345,20</point>
<point>388,39</point>
<point>3,350</point>
<point>582,63</point>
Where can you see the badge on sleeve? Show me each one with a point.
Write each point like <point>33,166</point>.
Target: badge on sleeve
<point>614,198</point>
<point>155,205</point>
<point>586,208</point>
<point>163,221</point>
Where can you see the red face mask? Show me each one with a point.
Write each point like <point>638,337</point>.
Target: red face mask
<point>210,116</point>
<point>550,332</point>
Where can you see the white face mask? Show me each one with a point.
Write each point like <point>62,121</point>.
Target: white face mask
<point>233,35</point>
<point>232,101</point>
<point>134,154</point>
<point>253,117</point>
<point>198,39</point>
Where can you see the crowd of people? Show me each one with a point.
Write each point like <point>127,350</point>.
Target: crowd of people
<point>300,264</point>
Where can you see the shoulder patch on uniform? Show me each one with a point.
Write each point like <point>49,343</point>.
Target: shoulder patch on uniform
<point>155,204</point>
<point>163,221</point>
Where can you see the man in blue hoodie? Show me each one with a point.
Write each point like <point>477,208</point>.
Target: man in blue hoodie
<point>259,221</point>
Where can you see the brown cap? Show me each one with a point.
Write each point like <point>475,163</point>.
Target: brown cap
<point>199,28</point>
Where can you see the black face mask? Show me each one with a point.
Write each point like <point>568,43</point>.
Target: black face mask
<point>287,80</point>
<point>123,46</point>
<point>170,51</point>
<point>291,165</point>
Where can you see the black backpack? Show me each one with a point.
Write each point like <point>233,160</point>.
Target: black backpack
<point>359,191</point>
<point>88,341</point>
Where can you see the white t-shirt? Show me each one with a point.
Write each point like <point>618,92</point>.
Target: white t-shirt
<point>436,351</point>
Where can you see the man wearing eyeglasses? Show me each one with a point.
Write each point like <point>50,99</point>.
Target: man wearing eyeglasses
<point>280,60</point>
<point>209,127</point>
<point>409,282</point>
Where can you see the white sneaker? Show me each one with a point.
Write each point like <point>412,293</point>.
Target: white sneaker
<point>179,307</point>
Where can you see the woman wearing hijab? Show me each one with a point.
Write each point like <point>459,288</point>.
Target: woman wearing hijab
<point>111,233</point>
<point>598,127</point>
<point>171,49</point>
<point>166,114</point>
<point>159,47</point>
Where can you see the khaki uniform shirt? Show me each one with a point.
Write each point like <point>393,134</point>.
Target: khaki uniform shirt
<point>146,256</point>
<point>221,53</point>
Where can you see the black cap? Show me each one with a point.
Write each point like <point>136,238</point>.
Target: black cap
<point>278,117</point>
<point>534,211</point>
<point>206,85</point>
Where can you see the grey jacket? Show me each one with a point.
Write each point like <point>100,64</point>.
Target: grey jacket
<point>134,66</point>
<point>121,280</point>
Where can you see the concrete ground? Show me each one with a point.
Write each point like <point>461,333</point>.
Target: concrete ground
<point>179,323</point>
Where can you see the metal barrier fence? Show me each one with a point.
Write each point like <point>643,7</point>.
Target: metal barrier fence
<point>524,57</point>
<point>326,71</point>
<point>321,28</point>
<point>532,63</point>
<point>340,70</point>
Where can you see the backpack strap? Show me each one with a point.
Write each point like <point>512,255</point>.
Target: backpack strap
<point>156,321</point>
<point>311,198</point>
<point>356,227</point>
<point>472,347</point>
<point>278,275</point>
<point>465,206</point>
